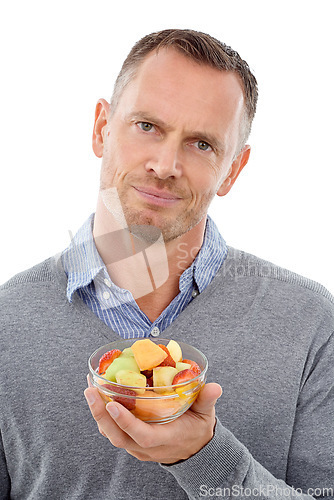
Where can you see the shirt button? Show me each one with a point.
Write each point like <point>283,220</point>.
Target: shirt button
<point>194,293</point>
<point>155,332</point>
<point>106,295</point>
<point>107,282</point>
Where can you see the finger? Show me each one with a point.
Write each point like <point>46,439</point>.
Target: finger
<point>89,382</point>
<point>106,425</point>
<point>207,399</point>
<point>143,434</point>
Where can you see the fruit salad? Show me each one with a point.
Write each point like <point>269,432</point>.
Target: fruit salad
<point>152,380</point>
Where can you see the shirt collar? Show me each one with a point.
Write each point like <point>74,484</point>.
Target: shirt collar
<point>81,260</point>
<point>83,264</point>
<point>208,260</point>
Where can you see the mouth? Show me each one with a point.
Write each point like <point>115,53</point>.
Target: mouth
<point>156,196</point>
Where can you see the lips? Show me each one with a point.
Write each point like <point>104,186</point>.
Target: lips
<point>156,196</point>
<point>157,193</point>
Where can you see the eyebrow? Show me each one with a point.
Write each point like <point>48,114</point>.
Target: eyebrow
<point>146,117</point>
<point>195,134</point>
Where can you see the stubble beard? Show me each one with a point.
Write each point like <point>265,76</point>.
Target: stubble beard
<point>151,222</point>
<point>146,223</point>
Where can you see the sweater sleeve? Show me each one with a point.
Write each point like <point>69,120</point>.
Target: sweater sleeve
<point>225,467</point>
<point>4,476</point>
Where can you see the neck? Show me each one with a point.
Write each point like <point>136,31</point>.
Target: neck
<point>150,271</point>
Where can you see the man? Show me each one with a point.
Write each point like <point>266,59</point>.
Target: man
<point>173,136</point>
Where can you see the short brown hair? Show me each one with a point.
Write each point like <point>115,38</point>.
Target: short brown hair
<point>201,48</point>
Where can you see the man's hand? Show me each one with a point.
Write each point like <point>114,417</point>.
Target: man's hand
<point>163,443</point>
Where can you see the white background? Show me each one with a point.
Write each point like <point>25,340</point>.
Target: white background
<point>59,57</point>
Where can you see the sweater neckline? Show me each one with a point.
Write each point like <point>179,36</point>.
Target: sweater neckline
<point>87,316</point>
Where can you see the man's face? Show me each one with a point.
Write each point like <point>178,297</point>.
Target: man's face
<point>171,141</point>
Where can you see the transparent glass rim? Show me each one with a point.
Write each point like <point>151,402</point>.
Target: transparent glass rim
<point>94,373</point>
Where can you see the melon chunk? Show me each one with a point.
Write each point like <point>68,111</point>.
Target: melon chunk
<point>127,352</point>
<point>163,376</point>
<point>126,363</point>
<point>182,366</point>
<point>133,379</point>
<point>147,354</point>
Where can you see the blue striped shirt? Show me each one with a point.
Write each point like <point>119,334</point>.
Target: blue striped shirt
<point>88,277</point>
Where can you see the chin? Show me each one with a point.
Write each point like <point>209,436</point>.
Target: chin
<point>171,227</point>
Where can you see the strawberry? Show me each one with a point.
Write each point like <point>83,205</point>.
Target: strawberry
<point>107,359</point>
<point>193,366</point>
<point>183,376</point>
<point>128,402</point>
<point>169,361</point>
<point>147,373</point>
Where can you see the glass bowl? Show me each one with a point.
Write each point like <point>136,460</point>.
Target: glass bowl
<point>154,404</point>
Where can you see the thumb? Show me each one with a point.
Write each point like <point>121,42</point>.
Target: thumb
<point>207,398</point>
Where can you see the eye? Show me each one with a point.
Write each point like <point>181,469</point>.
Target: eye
<point>203,146</point>
<point>145,126</point>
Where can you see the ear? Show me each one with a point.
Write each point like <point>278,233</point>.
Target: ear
<point>102,111</point>
<point>235,170</point>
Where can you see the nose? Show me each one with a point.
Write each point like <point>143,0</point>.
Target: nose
<point>165,161</point>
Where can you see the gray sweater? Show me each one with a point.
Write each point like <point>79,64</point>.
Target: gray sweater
<point>268,335</point>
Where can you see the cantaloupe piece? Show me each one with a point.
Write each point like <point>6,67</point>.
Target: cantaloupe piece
<point>151,407</point>
<point>147,354</point>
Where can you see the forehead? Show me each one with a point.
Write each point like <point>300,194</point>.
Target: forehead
<point>185,92</point>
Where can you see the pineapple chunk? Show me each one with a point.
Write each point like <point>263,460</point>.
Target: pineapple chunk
<point>175,350</point>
